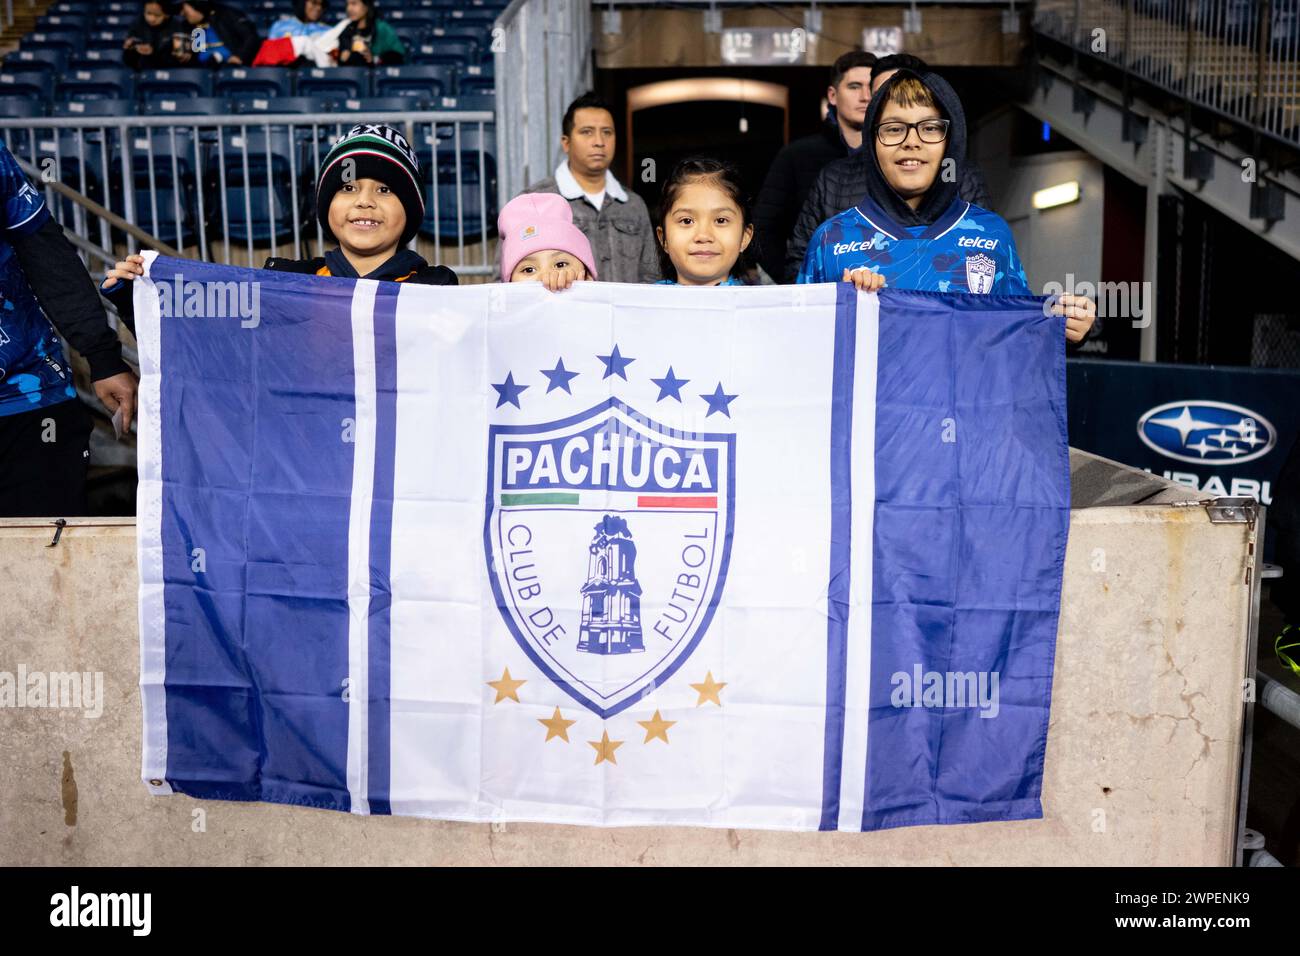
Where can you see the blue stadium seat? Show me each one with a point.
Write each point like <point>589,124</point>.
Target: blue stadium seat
<point>259,202</point>
<point>119,6</point>
<point>104,107</point>
<point>55,38</point>
<point>101,83</point>
<point>297,105</point>
<point>174,176</point>
<point>19,107</point>
<point>476,80</point>
<point>105,40</point>
<point>84,7</point>
<point>78,21</point>
<point>351,82</point>
<point>463,207</point>
<point>412,35</point>
<point>185,106</point>
<point>24,79</point>
<point>456,53</point>
<point>381,104</point>
<point>419,80</point>
<point>79,157</point>
<point>246,83</point>
<point>466,101</point>
<point>469,34</point>
<point>116,21</point>
<point>172,84</point>
<point>412,15</point>
<point>93,58</point>
<point>485,16</point>
<point>55,60</point>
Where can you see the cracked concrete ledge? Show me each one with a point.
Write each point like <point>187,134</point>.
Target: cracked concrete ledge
<point>1142,756</point>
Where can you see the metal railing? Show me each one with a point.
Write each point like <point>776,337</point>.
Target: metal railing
<point>544,47</point>
<point>221,182</point>
<point>1237,58</point>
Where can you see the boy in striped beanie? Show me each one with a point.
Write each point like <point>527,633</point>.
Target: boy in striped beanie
<point>369,200</point>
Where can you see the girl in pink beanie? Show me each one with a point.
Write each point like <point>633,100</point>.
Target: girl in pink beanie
<point>540,242</point>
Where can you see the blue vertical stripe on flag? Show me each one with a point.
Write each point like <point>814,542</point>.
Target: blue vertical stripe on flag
<point>969,540</point>
<point>837,588</point>
<point>257,475</point>
<point>381,519</point>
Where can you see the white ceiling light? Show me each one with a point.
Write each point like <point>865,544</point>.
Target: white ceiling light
<point>1057,195</point>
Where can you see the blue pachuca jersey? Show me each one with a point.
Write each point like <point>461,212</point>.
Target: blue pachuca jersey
<point>967,249</point>
<point>33,369</point>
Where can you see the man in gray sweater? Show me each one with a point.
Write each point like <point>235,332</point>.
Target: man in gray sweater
<point>614,219</point>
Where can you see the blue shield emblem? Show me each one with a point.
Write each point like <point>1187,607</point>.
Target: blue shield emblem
<point>607,539</point>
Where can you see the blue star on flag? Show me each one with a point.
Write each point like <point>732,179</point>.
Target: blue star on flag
<point>559,377</point>
<point>670,386</point>
<point>718,401</point>
<point>615,364</point>
<point>508,391</point>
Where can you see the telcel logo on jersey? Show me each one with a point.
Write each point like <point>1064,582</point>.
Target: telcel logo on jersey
<point>607,537</point>
<point>875,242</point>
<point>975,242</point>
<point>1204,431</point>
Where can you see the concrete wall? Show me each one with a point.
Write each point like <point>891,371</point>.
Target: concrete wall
<point>1142,754</point>
<point>1052,242</point>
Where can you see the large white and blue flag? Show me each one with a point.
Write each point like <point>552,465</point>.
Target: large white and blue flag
<point>775,557</point>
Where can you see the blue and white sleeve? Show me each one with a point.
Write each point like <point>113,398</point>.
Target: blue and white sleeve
<point>24,209</point>
<point>813,269</point>
<point>1013,280</point>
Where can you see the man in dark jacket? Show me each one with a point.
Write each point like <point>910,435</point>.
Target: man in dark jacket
<point>44,429</point>
<point>842,183</point>
<point>796,166</point>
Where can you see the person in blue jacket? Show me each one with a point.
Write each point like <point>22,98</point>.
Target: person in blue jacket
<point>913,230</point>
<point>44,429</point>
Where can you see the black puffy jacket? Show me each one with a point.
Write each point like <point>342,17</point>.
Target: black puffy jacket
<point>843,183</point>
<point>789,179</point>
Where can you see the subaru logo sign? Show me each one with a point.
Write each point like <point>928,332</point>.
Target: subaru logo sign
<point>1203,432</point>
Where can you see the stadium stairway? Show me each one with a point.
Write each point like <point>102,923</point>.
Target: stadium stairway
<point>25,18</point>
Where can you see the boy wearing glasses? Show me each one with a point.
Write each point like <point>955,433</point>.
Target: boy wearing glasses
<point>913,230</point>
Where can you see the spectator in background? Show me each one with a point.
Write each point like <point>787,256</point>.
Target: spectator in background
<point>368,40</point>
<point>149,43</point>
<point>219,34</point>
<point>887,66</point>
<point>842,184</point>
<point>796,166</point>
<point>615,221</point>
<point>304,22</point>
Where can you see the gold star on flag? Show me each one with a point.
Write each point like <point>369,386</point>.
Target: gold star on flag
<point>505,687</point>
<point>557,726</point>
<point>605,748</point>
<point>709,690</point>
<point>656,726</point>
